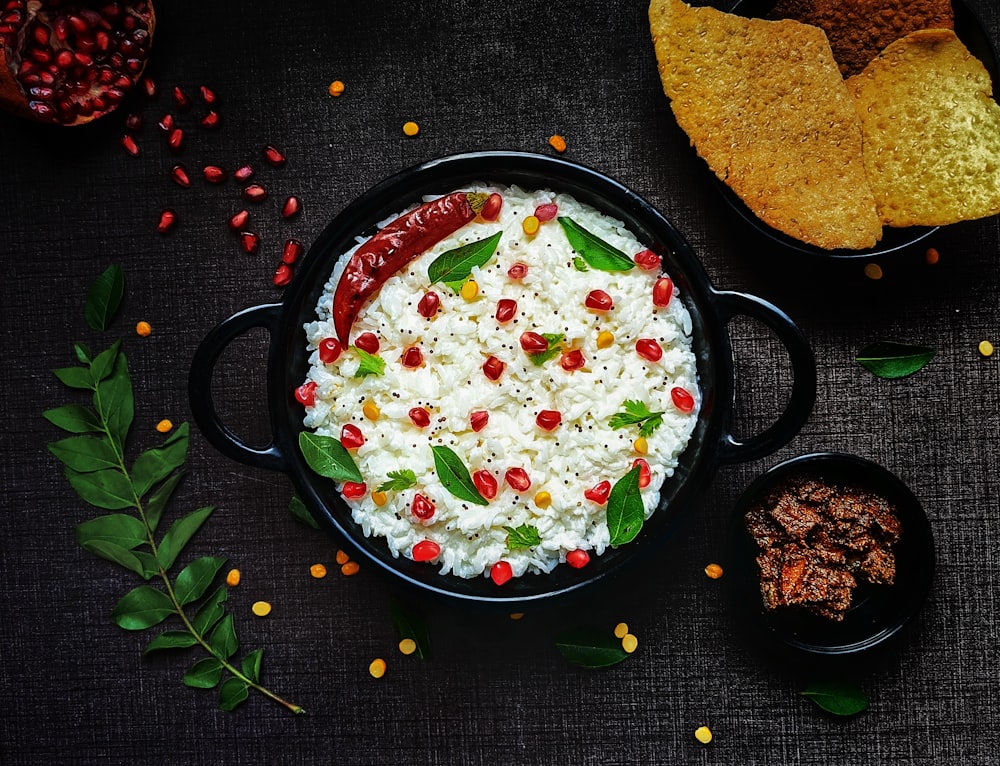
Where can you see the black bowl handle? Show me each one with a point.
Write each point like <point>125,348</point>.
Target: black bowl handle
<point>803,396</point>
<point>200,388</point>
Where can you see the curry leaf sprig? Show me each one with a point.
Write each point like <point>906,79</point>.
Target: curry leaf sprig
<point>137,495</point>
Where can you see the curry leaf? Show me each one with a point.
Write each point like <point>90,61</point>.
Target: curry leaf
<point>74,418</point>
<point>109,489</point>
<point>211,611</point>
<point>595,251</point>
<point>116,554</point>
<point>455,476</point>
<point>410,625</point>
<point>179,534</point>
<point>118,528</point>
<point>234,692</point>
<point>155,465</point>
<point>328,457</point>
<point>454,266</point>
<point>300,513</point>
<point>194,579</point>
<point>85,453</point>
<point>889,359</point>
<point>843,698</point>
<point>104,298</point>
<point>142,608</point>
<point>223,638</point>
<point>204,674</point>
<point>114,402</point>
<point>171,639</point>
<point>75,377</point>
<point>251,665</point>
<point>591,648</point>
<point>104,363</point>
<point>626,511</point>
<point>156,503</point>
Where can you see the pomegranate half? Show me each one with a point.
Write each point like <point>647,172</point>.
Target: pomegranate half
<point>67,63</point>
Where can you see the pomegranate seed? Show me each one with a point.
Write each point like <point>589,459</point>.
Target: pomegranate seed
<point>249,241</point>
<point>422,507</point>
<point>413,357</point>
<point>647,260</point>
<point>306,394</point>
<point>572,360</point>
<point>682,399</point>
<point>149,84</point>
<point>645,476</point>
<point>478,420</point>
<point>491,208</point>
<point>353,489</point>
<point>648,349</point>
<point>239,221</point>
<point>420,417</point>
<point>351,436</point>
<point>367,341</point>
<point>493,368</point>
<point>429,304</point>
<point>64,58</point>
<point>329,350</point>
<point>549,420</point>
<point>501,572</point>
<point>166,123</point>
<point>598,300</point>
<point>546,212</point>
<point>274,156</point>
<point>425,550</point>
<point>532,343</point>
<point>134,121</point>
<point>518,271</point>
<point>181,100</point>
<point>254,193</point>
<point>486,483</point>
<point>243,173</point>
<point>578,558</point>
<point>207,94</point>
<point>506,309</point>
<point>291,252</point>
<point>167,220</point>
<point>291,207</point>
<point>180,176</point>
<point>517,479</point>
<point>598,493</point>
<point>211,120</point>
<point>41,34</point>
<point>282,275</point>
<point>214,174</point>
<point>129,145</point>
<point>663,291</point>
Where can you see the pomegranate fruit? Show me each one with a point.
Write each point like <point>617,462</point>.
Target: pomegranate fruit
<point>68,62</point>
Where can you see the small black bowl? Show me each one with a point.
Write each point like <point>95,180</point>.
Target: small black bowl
<point>877,613</point>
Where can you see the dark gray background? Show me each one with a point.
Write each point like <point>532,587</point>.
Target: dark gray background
<point>77,690</point>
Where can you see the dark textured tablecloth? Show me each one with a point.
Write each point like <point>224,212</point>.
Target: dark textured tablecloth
<point>76,689</point>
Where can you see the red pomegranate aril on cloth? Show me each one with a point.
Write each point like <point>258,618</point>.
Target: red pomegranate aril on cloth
<point>292,251</point>
<point>213,174</point>
<point>429,304</point>
<point>422,507</point>
<point>663,291</point>
<point>501,572</point>
<point>533,343</point>
<point>572,360</point>
<point>176,139</point>
<point>578,558</point>
<point>282,275</point>
<point>166,123</point>
<point>486,483</point>
<point>239,220</point>
<point>167,220</point>
<point>274,156</point>
<point>517,479</point>
<point>134,122</point>
<point>493,368</point>
<point>518,271</point>
<point>150,86</point>
<point>598,300</point>
<point>506,309</point>
<point>546,212</point>
<point>548,420</point>
<point>647,260</point>
<point>645,476</point>
<point>354,489</point>
<point>180,176</point>
<point>291,208</point>
<point>181,99</point>
<point>648,349</point>
<point>367,341</point>
<point>306,394</point>
<point>682,399</point>
<point>243,173</point>
<point>420,417</point>
<point>491,208</point>
<point>599,493</point>
<point>207,94</point>
<point>412,358</point>
<point>249,241</point>
<point>210,120</point>
<point>351,436</point>
<point>329,350</point>
<point>478,420</point>
<point>425,550</point>
<point>254,193</point>
<point>129,145</point>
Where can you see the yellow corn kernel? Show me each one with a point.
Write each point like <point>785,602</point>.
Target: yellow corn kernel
<point>410,128</point>
<point>543,499</point>
<point>713,571</point>
<point>377,668</point>
<point>558,143</point>
<point>371,410</point>
<point>641,446</point>
<point>342,558</point>
<point>336,88</point>
<point>621,630</point>
<point>143,329</point>
<point>470,290</point>
<point>164,425</point>
<point>986,348</point>
<point>873,271</point>
<point>318,571</point>
<point>703,734</point>
<point>605,339</point>
<point>379,498</point>
<point>233,578</point>
<point>530,225</point>
<point>630,643</point>
<point>350,568</point>
<point>261,608</point>
<point>407,646</point>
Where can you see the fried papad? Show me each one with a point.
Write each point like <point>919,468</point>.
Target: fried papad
<point>859,30</point>
<point>931,131</point>
<point>764,104</point>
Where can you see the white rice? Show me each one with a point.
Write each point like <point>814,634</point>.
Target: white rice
<point>579,454</point>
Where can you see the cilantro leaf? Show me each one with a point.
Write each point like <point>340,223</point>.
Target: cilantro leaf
<point>637,413</point>
<point>370,364</point>
<point>398,480</point>
<point>524,536</point>
<point>555,347</point>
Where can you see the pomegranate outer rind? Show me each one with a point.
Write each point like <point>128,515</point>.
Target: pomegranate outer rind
<point>14,101</point>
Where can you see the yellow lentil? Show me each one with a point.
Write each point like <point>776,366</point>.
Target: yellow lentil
<point>318,571</point>
<point>470,290</point>
<point>932,256</point>
<point>164,425</point>
<point>530,225</point>
<point>379,498</point>
<point>377,668</point>
<point>641,446</point>
<point>873,271</point>
<point>714,571</point>
<point>261,608</point>
<point>543,499</point>
<point>621,629</point>
<point>703,734</point>
<point>558,143</point>
<point>986,348</point>
<point>605,339</point>
<point>371,410</point>
<point>350,568</point>
<point>143,329</point>
<point>233,578</point>
<point>342,557</point>
<point>336,88</point>
<point>516,615</point>
<point>630,643</point>
<point>411,128</point>
<point>407,646</point>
